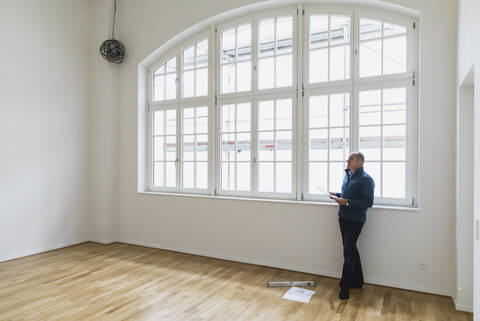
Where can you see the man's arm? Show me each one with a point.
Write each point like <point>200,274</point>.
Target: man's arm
<point>367,196</point>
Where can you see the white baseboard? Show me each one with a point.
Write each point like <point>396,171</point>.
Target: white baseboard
<point>463,307</point>
<point>101,241</point>
<point>334,274</point>
<point>41,250</point>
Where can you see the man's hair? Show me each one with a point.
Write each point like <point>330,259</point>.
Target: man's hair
<point>359,156</point>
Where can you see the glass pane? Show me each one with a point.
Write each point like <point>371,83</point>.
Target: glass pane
<point>339,110</point>
<point>227,52</point>
<point>265,115</point>
<point>394,180</point>
<point>244,72</point>
<point>171,86</point>
<point>318,144</point>
<point>188,120</point>
<point>283,146</point>
<point>172,65</point>
<point>171,173</point>
<point>202,120</point>
<point>228,118</point>
<point>158,123</point>
<point>228,176</point>
<point>188,175</point>
<point>188,84</point>
<point>395,55</point>
<point>160,70</point>
<point>158,146</point>
<point>243,147</point>
<point>373,169</point>
<point>317,178</point>
<point>394,142</point>
<point>228,79</point>
<point>370,28</point>
<point>265,146</point>
<point>339,140</point>
<point>228,147</point>
<point>202,54</point>
<point>171,148</point>
<point>244,45</point>
<point>159,87</point>
<point>318,66</point>
<point>243,117</point>
<point>337,174</point>
<point>284,35</point>
<point>171,122</point>
<point>339,29</point>
<point>340,63</point>
<point>158,174</point>
<point>189,58</point>
<point>265,177</point>
<point>283,115</point>
<point>243,178</point>
<point>266,73</point>
<point>266,37</point>
<point>202,147</point>
<point>370,58</point>
<point>390,29</point>
<point>188,147</point>
<point>201,82</point>
<point>284,71</point>
<point>202,175</point>
<point>318,111</point>
<point>394,105</point>
<point>370,107</point>
<point>318,31</point>
<point>370,142</point>
<point>283,178</point>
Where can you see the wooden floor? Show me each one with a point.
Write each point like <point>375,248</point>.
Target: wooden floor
<point>125,282</point>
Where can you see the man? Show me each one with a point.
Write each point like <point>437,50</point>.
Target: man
<point>354,200</point>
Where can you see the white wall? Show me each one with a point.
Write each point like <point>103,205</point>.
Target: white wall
<point>468,58</point>
<point>43,125</point>
<point>302,237</point>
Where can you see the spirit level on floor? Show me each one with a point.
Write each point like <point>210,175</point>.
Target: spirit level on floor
<point>290,283</point>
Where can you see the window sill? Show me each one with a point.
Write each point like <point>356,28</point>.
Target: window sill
<point>251,199</point>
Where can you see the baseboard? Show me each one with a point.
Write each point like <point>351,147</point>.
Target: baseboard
<point>101,241</point>
<point>333,274</point>
<point>463,307</point>
<point>42,249</point>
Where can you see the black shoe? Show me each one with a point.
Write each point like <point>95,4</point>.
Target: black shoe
<point>343,295</point>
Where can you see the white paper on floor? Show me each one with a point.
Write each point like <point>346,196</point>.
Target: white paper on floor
<point>298,294</point>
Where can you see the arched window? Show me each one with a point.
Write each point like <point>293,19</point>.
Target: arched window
<point>270,105</point>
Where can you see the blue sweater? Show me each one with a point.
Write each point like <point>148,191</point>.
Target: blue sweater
<point>358,190</point>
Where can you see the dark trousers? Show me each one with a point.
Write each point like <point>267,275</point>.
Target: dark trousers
<point>352,275</point>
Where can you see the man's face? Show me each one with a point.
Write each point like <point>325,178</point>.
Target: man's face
<point>353,163</point>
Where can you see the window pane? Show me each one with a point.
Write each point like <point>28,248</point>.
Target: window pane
<point>172,65</point>
<point>243,147</point>
<point>340,63</point>
<point>265,177</point>
<point>318,111</point>
<point>228,78</point>
<point>370,58</point>
<point>159,87</point>
<point>283,115</point>
<point>201,82</point>
<point>244,49</point>
<point>395,55</point>
<point>394,180</point>
<point>228,118</point>
<point>188,58</point>
<point>171,86</point>
<point>158,147</point>
<point>283,176</point>
<point>390,29</point>
<point>158,174</point>
<point>202,175</point>
<point>171,121</point>
<point>160,70</point>
<point>370,107</point>
<point>228,46</point>
<point>228,176</point>
<point>337,173</point>
<point>202,147</point>
<point>394,142</point>
<point>243,178</point>
<point>188,84</point>
<point>228,147</point>
<point>318,31</point>
<point>370,142</point>
<point>171,174</point>
<point>394,105</point>
<point>284,71</point>
<point>188,147</point>
<point>265,115</point>
<point>202,54</point>
<point>284,35</point>
<point>318,65</point>
<point>171,148</point>
<point>188,175</point>
<point>339,141</point>
<point>318,144</point>
<point>339,110</point>
<point>266,73</point>
<point>265,146</point>
<point>244,72</point>
<point>339,30</point>
<point>266,37</point>
<point>373,169</point>
<point>244,115</point>
<point>317,178</point>
<point>283,146</point>
<point>158,123</point>
<point>370,28</point>
<point>202,120</point>
<point>188,120</point>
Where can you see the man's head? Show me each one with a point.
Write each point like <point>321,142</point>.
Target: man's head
<point>355,161</point>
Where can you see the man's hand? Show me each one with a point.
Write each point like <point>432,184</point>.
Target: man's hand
<point>341,201</point>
